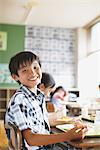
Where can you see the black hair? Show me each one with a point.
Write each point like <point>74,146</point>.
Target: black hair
<point>56,90</point>
<point>47,80</point>
<point>20,59</point>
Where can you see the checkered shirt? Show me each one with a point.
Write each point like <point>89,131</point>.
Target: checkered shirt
<point>28,110</point>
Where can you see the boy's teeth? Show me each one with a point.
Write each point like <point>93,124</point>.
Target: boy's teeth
<point>33,78</point>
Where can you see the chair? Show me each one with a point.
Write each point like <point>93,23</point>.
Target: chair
<point>15,140</point>
<point>50,106</point>
<point>3,137</point>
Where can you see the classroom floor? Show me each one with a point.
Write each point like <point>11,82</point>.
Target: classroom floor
<point>3,138</point>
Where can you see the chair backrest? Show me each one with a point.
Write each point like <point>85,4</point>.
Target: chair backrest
<point>14,136</point>
<point>50,106</point>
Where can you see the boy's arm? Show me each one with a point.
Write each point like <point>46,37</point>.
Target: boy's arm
<point>42,139</point>
<point>45,139</point>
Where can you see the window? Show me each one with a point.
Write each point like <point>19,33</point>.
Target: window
<point>95,37</point>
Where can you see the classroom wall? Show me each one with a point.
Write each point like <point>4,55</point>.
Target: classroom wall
<point>15,41</point>
<point>88,65</point>
<point>57,50</point>
<point>48,40</point>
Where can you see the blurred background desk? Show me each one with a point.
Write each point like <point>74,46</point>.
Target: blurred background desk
<point>74,108</point>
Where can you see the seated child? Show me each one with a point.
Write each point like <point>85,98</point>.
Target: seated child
<point>47,85</point>
<point>58,99</point>
<point>27,109</point>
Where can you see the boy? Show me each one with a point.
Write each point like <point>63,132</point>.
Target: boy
<point>27,106</point>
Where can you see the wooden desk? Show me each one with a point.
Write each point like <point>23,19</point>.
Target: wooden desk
<point>85,144</point>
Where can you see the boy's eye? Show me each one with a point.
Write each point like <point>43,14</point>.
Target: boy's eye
<point>35,67</point>
<point>24,70</point>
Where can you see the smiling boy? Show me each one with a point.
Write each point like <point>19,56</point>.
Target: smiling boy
<point>27,107</point>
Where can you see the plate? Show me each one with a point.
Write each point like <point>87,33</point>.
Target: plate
<point>65,127</point>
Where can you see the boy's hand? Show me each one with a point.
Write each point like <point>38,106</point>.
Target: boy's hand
<point>78,132</point>
<point>80,124</point>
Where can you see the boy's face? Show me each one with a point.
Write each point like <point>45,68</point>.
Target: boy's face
<point>29,74</point>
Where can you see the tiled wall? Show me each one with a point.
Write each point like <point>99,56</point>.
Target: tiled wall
<point>56,48</point>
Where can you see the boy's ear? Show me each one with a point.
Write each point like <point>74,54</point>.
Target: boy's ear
<point>15,77</point>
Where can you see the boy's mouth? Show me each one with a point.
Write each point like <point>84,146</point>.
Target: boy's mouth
<point>33,78</point>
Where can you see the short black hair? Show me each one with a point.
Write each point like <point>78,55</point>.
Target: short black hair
<point>47,80</point>
<point>57,89</point>
<point>20,59</point>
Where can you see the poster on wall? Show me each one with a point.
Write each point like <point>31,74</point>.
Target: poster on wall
<point>3,40</point>
<point>5,76</point>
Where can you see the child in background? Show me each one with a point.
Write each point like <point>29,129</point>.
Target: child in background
<point>27,109</point>
<point>47,85</point>
<point>58,98</point>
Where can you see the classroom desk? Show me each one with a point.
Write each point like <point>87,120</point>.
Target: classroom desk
<point>89,143</point>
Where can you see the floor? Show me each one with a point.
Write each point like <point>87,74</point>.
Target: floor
<point>3,138</point>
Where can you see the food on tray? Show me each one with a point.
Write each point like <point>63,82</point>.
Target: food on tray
<point>66,119</point>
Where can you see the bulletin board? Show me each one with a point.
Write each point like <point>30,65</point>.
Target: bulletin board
<point>56,48</point>
<point>3,40</point>
<point>5,77</point>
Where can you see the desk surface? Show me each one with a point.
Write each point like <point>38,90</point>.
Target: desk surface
<point>89,142</point>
